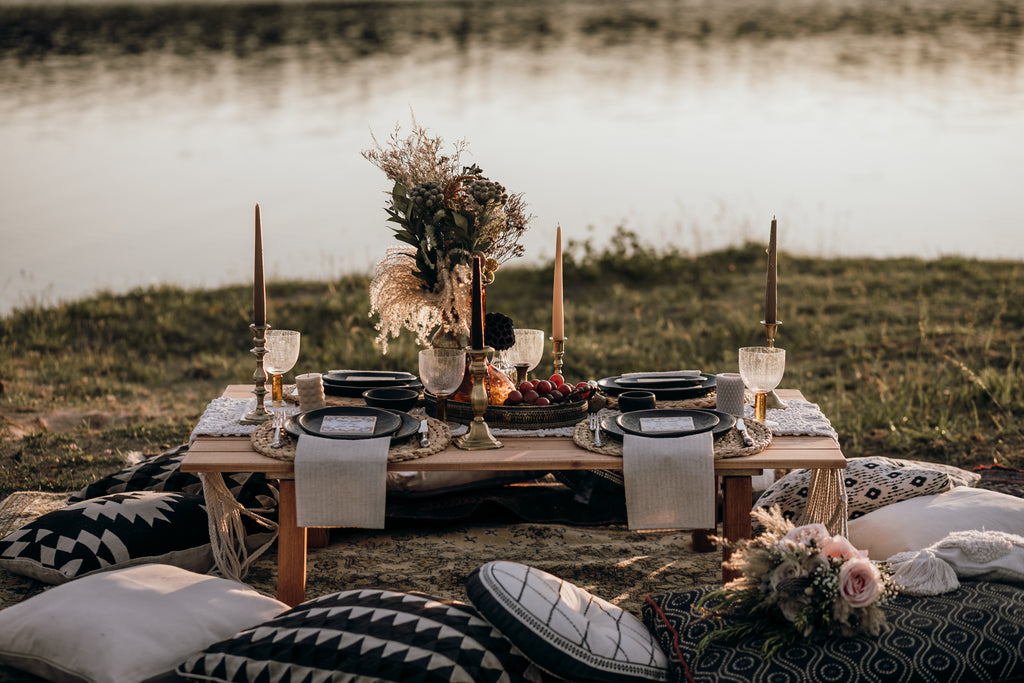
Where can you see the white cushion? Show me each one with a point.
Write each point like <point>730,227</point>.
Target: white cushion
<point>127,625</point>
<point>919,522</point>
<point>565,630</point>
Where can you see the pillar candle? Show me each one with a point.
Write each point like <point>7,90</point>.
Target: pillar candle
<point>557,315</point>
<point>771,293</point>
<point>476,330</point>
<point>310,388</point>
<point>259,288</point>
<point>729,390</point>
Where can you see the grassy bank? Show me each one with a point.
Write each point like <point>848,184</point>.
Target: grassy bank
<point>909,358</point>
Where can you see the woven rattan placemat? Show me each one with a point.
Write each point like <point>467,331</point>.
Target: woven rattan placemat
<point>728,445</point>
<point>438,435</point>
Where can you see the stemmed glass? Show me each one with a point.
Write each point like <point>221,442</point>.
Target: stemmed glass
<point>282,353</point>
<point>761,368</point>
<point>441,371</point>
<point>526,353</point>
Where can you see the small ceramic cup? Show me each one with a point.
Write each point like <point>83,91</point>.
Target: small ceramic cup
<point>636,400</point>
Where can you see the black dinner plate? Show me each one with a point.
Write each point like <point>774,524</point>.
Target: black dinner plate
<point>703,421</point>
<point>387,422</point>
<point>356,390</point>
<point>611,386</point>
<point>367,379</point>
<point>410,426</point>
<point>725,423</point>
<point>650,382</point>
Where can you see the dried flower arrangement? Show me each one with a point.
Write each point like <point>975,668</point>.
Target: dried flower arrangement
<point>444,212</point>
<point>797,583</point>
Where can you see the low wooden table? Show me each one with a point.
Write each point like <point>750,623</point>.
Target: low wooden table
<point>235,454</point>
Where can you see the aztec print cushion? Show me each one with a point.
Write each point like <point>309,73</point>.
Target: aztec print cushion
<point>871,483</point>
<point>162,472</point>
<point>118,530</point>
<point>972,634</point>
<point>366,635</point>
<point>563,629</point>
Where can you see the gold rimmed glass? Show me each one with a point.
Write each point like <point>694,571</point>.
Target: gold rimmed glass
<point>526,353</point>
<point>282,354</point>
<point>441,371</point>
<point>761,368</point>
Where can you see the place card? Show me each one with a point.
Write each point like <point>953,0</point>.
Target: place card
<point>348,424</point>
<point>368,378</point>
<point>667,424</point>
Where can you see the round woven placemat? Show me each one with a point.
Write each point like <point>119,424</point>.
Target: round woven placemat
<point>329,400</point>
<point>438,435</point>
<point>728,445</point>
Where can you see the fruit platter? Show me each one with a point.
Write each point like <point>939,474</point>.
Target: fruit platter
<point>534,404</point>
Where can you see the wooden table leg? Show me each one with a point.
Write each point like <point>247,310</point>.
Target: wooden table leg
<point>737,495</point>
<point>291,548</point>
<point>318,537</point>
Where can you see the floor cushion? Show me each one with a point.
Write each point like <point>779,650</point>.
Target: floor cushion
<point>918,523</point>
<point>973,634</point>
<point>162,472</point>
<point>871,483</point>
<point>118,530</point>
<point>565,630</point>
<point>366,635</point>
<point>134,624</point>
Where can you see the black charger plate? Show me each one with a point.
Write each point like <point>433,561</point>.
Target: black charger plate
<point>703,421</point>
<point>725,423</point>
<point>611,386</point>
<point>410,426</point>
<point>387,422</point>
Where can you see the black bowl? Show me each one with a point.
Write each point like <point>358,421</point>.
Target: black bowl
<point>392,398</point>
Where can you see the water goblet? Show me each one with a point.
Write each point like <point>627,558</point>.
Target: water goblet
<point>282,353</point>
<point>441,371</point>
<point>761,369</point>
<point>526,353</point>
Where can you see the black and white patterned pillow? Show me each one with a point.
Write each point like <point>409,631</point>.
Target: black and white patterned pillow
<point>162,472</point>
<point>366,635</point>
<point>971,634</point>
<point>871,483</point>
<point>565,630</point>
<point>119,530</point>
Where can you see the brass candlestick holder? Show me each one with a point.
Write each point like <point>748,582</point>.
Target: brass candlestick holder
<point>557,353</point>
<point>259,414</point>
<point>771,399</point>
<point>479,437</point>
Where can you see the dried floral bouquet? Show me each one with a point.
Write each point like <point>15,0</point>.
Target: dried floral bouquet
<point>443,212</point>
<point>797,583</point>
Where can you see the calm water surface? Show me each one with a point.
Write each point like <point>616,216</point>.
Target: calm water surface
<point>136,140</point>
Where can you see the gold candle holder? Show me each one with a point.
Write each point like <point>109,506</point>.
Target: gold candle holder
<point>557,353</point>
<point>479,437</point>
<point>259,414</point>
<point>771,399</point>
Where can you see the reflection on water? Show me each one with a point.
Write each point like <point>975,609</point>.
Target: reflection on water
<point>137,137</point>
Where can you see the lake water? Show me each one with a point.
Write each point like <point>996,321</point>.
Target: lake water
<point>137,140</point>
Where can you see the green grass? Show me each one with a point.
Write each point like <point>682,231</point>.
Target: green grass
<point>909,358</point>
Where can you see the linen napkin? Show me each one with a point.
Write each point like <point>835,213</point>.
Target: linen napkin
<point>670,482</point>
<point>341,482</point>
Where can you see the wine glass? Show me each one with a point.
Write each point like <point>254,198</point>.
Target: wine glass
<point>282,352</point>
<point>761,368</point>
<point>526,353</point>
<point>441,371</point>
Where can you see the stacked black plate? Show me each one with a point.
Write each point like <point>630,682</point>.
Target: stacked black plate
<point>352,383</point>
<point>399,426</point>
<point>666,387</point>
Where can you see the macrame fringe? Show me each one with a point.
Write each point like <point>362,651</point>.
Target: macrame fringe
<point>231,556</point>
<point>827,502</point>
<point>922,572</point>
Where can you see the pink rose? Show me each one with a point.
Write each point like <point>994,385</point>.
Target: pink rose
<point>859,582</point>
<point>807,533</point>
<point>839,548</point>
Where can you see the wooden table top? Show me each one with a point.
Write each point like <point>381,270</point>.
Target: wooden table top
<point>235,454</point>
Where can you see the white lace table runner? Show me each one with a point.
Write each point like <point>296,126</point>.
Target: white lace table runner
<point>222,415</point>
<point>801,418</point>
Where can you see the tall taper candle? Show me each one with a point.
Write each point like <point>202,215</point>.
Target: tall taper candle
<point>557,315</point>
<point>259,288</point>
<point>476,330</point>
<point>771,293</point>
